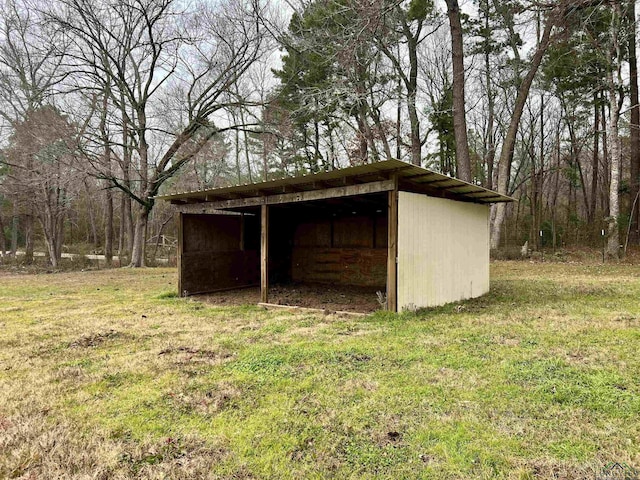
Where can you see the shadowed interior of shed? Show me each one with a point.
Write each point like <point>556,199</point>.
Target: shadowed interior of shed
<point>341,241</point>
<point>219,252</point>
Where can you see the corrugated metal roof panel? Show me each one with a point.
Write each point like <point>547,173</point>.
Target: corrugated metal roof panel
<point>407,174</point>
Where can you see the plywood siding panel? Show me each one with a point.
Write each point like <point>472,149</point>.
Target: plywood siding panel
<point>313,234</point>
<point>443,250</point>
<point>212,256</point>
<point>345,266</point>
<point>211,233</point>
<point>381,225</point>
<point>210,271</point>
<point>353,232</point>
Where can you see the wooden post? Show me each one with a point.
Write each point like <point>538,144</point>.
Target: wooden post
<point>392,249</point>
<point>264,254</point>
<point>242,232</point>
<point>179,251</point>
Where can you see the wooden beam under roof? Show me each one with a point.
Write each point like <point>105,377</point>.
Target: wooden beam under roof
<point>305,196</point>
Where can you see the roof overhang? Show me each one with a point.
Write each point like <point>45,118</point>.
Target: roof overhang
<point>359,180</point>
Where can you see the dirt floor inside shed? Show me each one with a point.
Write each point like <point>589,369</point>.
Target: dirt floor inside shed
<point>326,297</point>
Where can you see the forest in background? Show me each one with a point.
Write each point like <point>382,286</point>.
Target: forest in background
<point>105,105</point>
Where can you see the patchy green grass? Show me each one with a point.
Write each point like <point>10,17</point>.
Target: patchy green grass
<point>107,374</point>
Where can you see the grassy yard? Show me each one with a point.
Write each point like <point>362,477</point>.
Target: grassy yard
<point>107,374</point>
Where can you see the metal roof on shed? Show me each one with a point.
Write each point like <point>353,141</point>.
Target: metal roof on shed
<point>409,176</point>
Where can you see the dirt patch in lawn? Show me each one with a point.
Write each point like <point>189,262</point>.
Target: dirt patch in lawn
<point>94,339</point>
<point>325,297</point>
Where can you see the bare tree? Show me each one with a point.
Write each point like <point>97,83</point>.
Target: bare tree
<point>41,159</point>
<point>171,73</point>
<point>412,27</point>
<point>29,72</point>
<point>554,17</point>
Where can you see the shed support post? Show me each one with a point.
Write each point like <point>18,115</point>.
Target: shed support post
<point>180,249</point>
<point>242,232</point>
<point>392,249</point>
<point>264,254</point>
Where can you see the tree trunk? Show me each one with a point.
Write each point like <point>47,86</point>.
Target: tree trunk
<point>265,162</point>
<point>140,240</point>
<point>556,188</point>
<point>51,251</point>
<point>92,217</point>
<point>3,240</point>
<point>634,126</point>
<point>127,214</point>
<point>374,112</point>
<point>15,225</point>
<point>367,133</point>
<point>416,147</point>
<point>606,171</point>
<point>541,174</point>
<point>533,206</point>
<point>613,234</point>
<point>28,239</point>
<point>108,223</point>
<point>237,151</point>
<point>399,116</point>
<point>121,229</point>
<point>51,219</point>
<point>463,161</point>
<point>52,228</point>
<point>363,144</point>
<point>412,89</point>
<point>575,159</point>
<point>129,226</point>
<point>490,146</point>
<point>60,236</point>
<point>377,120</point>
<point>108,228</point>
<point>508,146</point>
<point>246,147</point>
<point>410,83</point>
<point>595,161</point>
<point>140,233</point>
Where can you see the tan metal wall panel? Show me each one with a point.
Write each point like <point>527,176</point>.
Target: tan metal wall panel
<point>443,250</point>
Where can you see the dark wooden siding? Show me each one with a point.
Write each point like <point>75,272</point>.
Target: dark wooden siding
<point>348,250</point>
<point>212,255</point>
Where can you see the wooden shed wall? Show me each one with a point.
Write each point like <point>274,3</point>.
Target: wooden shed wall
<point>349,250</point>
<point>443,250</point>
<point>213,254</point>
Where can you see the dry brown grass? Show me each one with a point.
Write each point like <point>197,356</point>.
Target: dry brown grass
<point>35,446</point>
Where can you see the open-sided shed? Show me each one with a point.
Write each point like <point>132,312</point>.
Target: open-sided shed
<point>419,236</point>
